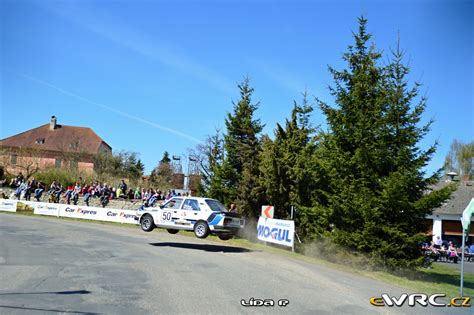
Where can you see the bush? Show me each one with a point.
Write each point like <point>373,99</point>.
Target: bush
<point>63,176</point>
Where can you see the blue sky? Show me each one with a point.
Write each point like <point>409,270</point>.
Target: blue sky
<point>150,76</point>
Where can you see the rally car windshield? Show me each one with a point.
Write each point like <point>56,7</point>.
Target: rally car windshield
<point>215,205</point>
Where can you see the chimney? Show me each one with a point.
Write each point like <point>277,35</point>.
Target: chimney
<point>52,124</point>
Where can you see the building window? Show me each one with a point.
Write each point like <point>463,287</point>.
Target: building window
<point>39,141</point>
<point>58,163</point>
<point>13,159</point>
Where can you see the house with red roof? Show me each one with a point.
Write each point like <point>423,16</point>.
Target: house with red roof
<point>51,145</point>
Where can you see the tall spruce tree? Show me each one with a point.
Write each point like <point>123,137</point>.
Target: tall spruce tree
<point>377,194</point>
<point>287,172</point>
<point>236,175</point>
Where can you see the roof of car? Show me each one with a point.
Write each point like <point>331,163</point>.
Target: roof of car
<point>197,198</point>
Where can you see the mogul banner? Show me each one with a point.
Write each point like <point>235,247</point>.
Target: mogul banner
<point>276,231</point>
<point>8,205</point>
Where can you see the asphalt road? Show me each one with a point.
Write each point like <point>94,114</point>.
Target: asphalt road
<point>56,266</point>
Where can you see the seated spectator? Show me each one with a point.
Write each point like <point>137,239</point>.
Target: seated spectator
<point>75,193</point>
<point>20,191</point>
<point>435,254</point>
<point>119,192</point>
<point>15,182</point>
<point>69,190</point>
<point>113,194</point>
<point>105,195</point>
<point>137,194</point>
<point>123,186</point>
<point>39,191</point>
<point>452,253</point>
<point>30,186</point>
<point>130,194</point>
<point>88,193</point>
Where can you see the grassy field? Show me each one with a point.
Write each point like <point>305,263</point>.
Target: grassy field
<point>436,279</point>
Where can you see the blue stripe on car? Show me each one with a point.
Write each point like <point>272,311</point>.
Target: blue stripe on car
<point>216,220</point>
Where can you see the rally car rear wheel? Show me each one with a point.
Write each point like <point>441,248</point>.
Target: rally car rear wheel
<point>147,223</point>
<point>201,229</point>
<point>225,237</point>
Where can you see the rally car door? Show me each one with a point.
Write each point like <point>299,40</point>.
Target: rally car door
<point>169,214</point>
<point>191,212</point>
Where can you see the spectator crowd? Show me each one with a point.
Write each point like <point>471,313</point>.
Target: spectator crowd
<point>55,193</point>
<point>446,251</point>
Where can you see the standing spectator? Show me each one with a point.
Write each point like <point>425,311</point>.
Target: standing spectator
<point>233,208</point>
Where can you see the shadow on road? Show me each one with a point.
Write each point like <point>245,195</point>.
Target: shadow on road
<point>44,310</point>
<point>204,247</point>
<point>59,292</point>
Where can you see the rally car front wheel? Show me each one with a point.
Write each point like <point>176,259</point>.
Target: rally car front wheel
<point>201,229</point>
<point>147,223</point>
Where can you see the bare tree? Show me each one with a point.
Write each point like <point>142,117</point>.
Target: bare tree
<point>15,160</point>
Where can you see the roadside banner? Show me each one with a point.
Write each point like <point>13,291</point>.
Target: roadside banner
<point>44,208</point>
<point>72,211</point>
<point>99,214</point>
<point>8,205</point>
<point>121,216</point>
<point>81,212</point>
<point>276,231</point>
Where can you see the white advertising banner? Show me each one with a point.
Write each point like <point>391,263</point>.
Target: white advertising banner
<point>8,205</point>
<point>121,216</point>
<point>81,212</point>
<point>44,208</point>
<point>280,232</point>
<point>99,214</point>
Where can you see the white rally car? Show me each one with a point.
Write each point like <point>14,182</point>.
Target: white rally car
<point>204,216</point>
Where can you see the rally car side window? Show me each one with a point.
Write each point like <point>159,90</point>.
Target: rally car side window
<point>191,204</point>
<point>174,203</point>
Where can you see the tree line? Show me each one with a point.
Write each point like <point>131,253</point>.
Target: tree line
<point>360,184</point>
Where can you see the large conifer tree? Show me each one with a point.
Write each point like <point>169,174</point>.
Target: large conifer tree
<point>235,178</point>
<point>377,192</point>
<point>287,172</point>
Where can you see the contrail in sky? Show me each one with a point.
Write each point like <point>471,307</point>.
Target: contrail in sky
<point>111,109</point>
